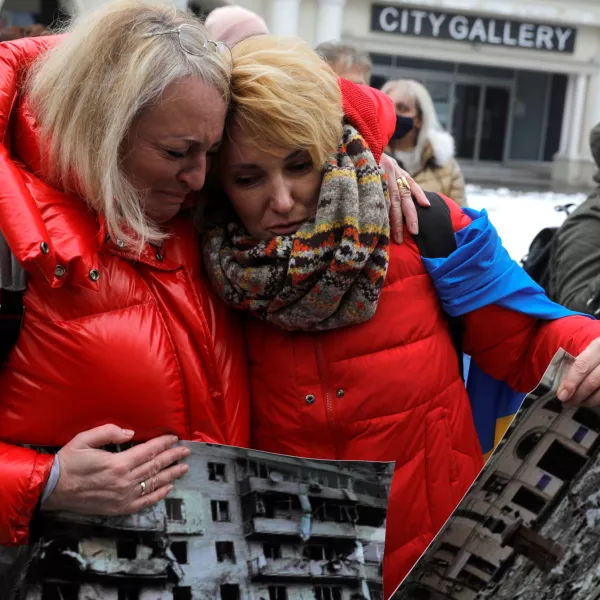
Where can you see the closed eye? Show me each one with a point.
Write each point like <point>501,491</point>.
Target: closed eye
<point>175,154</point>
<point>301,167</point>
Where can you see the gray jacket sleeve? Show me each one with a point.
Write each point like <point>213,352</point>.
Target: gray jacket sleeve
<point>575,259</point>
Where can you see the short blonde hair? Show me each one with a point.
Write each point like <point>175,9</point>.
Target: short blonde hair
<point>284,95</point>
<point>87,91</point>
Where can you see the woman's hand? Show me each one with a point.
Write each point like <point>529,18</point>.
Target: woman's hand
<point>97,482</point>
<point>581,384</point>
<point>402,207</point>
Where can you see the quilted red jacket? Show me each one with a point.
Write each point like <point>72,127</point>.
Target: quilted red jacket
<point>390,389</point>
<point>145,345</point>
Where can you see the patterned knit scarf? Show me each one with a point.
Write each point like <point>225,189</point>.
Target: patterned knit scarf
<point>330,273</point>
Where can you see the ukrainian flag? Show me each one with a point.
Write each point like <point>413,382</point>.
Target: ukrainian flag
<point>480,273</point>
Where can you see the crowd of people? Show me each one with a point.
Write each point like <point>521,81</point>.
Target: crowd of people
<point>199,240</point>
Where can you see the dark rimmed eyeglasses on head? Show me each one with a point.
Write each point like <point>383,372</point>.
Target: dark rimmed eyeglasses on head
<point>194,41</point>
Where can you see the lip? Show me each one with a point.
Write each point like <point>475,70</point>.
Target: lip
<point>287,228</point>
<point>175,198</point>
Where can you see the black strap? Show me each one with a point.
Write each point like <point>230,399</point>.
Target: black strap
<point>436,240</point>
<point>11,318</point>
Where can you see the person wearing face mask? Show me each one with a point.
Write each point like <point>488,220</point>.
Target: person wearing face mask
<point>419,143</point>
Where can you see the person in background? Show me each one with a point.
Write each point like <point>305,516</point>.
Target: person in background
<point>575,252</point>
<point>231,24</point>
<point>420,145</point>
<point>346,61</point>
<point>298,238</point>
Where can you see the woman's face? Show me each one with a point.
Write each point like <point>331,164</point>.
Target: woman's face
<point>273,192</point>
<point>169,146</point>
<point>405,107</point>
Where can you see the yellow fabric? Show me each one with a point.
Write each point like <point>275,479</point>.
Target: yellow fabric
<point>502,425</point>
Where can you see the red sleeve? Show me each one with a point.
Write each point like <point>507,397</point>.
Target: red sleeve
<point>23,476</point>
<point>371,112</point>
<point>513,347</point>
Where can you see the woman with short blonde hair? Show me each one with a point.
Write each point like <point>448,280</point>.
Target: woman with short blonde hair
<point>350,354</point>
<point>419,143</point>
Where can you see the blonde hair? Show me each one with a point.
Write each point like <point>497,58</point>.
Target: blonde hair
<point>421,98</point>
<point>87,91</point>
<point>284,95</point>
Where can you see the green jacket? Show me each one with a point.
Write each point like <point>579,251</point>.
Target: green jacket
<point>575,256</point>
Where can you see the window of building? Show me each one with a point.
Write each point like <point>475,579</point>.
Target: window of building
<point>495,484</point>
<point>174,508</point>
<point>588,417</point>
<point>220,510</point>
<point>450,548</point>
<point>225,552</point>
<point>182,593</point>
<point>60,591</point>
<point>529,500</point>
<point>471,580</point>
<point>278,592</point>
<point>561,462</point>
<point>258,469</point>
<point>129,592</point>
<point>272,550</point>
<point>216,472</point>
<point>527,444</point>
<point>328,592</point>
<point>554,405</point>
<point>376,591</point>
<point>481,564</point>
<point>319,552</point>
<point>126,549</point>
<point>230,591</point>
<point>180,552</point>
<point>580,434</point>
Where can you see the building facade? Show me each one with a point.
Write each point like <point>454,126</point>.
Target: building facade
<point>244,525</point>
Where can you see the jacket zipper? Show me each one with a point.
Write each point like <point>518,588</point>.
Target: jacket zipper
<point>328,395</point>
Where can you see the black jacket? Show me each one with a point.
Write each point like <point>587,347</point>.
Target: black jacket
<point>575,257</point>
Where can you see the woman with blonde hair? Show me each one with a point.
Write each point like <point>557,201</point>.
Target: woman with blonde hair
<point>122,340</point>
<point>350,354</point>
<point>419,143</point>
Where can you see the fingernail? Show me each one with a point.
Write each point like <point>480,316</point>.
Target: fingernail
<point>183,469</point>
<point>169,489</point>
<point>414,227</point>
<point>128,432</point>
<point>185,451</point>
<point>174,439</point>
<point>562,395</point>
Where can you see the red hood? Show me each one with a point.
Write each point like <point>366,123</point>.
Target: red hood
<point>371,112</point>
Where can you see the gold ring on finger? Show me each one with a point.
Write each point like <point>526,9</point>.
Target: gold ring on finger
<point>403,183</point>
<point>143,486</point>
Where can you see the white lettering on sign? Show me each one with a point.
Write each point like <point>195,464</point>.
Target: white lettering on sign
<point>492,37</point>
<point>526,35</point>
<point>384,19</point>
<point>459,28</point>
<point>418,15</point>
<point>436,23</point>
<point>563,36</point>
<point>480,30</point>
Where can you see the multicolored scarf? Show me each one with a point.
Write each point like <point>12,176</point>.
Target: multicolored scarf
<point>327,275</point>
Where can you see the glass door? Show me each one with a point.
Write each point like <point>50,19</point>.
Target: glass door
<point>494,124</point>
<point>465,119</point>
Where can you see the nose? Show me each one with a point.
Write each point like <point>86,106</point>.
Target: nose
<point>194,174</point>
<point>282,200</point>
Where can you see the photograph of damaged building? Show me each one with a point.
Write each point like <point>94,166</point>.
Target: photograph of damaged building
<point>241,525</point>
<point>499,523</point>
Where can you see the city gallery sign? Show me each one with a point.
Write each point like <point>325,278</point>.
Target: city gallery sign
<point>467,28</point>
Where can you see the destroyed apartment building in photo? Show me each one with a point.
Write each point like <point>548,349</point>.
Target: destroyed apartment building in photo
<point>241,525</point>
<point>500,522</point>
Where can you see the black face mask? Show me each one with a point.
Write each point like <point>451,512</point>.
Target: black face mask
<point>404,125</point>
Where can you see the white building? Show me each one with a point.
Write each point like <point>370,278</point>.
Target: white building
<point>516,81</point>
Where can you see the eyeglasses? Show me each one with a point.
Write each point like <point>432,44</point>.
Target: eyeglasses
<point>194,41</point>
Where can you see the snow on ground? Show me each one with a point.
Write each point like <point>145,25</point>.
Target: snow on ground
<point>518,216</point>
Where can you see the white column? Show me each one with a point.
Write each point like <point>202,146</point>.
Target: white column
<point>329,20</point>
<point>284,17</point>
<point>577,117</point>
<point>567,116</point>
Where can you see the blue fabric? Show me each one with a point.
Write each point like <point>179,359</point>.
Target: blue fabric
<point>480,273</point>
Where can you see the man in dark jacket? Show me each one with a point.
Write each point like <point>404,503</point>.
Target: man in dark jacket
<point>575,257</point>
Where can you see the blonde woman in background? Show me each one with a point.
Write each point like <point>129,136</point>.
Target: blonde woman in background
<point>420,144</point>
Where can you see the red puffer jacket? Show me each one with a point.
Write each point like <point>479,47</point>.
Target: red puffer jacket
<point>142,343</point>
<point>390,389</point>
